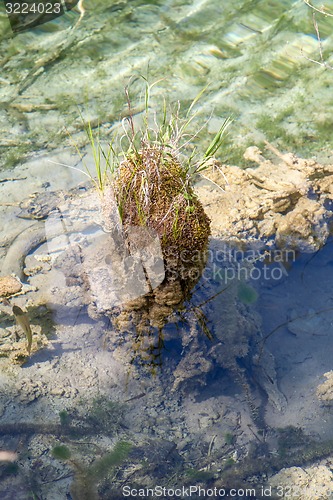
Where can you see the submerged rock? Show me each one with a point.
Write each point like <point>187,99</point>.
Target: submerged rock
<point>9,286</point>
<point>325,390</point>
<point>286,204</point>
<point>305,483</point>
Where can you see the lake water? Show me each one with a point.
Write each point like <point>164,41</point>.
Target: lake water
<point>252,55</point>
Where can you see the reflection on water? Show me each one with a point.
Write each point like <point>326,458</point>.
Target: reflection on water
<point>253,56</point>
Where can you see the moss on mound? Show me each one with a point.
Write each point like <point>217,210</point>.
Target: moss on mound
<point>154,190</point>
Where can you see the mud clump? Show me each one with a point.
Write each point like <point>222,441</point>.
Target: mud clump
<point>283,203</point>
<point>325,390</point>
<point>154,196</point>
<point>152,252</point>
<point>9,286</point>
<point>153,190</point>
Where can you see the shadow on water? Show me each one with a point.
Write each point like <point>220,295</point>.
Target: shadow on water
<point>212,342</point>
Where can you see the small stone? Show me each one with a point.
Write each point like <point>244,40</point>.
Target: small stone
<point>325,390</point>
<point>9,286</point>
<point>57,391</point>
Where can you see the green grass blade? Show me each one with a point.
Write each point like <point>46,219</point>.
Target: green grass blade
<point>216,143</point>
<point>196,99</point>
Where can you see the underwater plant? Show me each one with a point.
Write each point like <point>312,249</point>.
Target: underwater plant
<point>104,414</point>
<point>86,478</point>
<point>23,321</point>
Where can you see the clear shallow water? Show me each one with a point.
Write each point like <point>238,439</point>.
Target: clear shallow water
<point>252,56</point>
<point>193,419</point>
